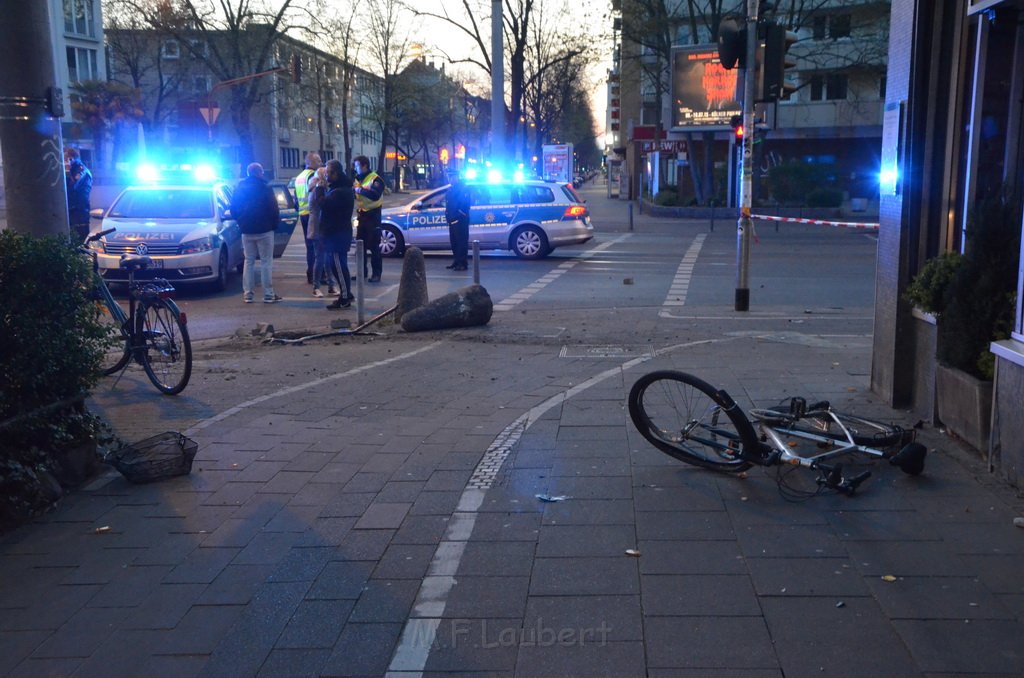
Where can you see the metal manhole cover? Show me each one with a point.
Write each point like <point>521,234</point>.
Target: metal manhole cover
<point>597,351</point>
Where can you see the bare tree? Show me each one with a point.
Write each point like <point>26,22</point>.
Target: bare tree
<point>387,44</point>
<point>231,38</point>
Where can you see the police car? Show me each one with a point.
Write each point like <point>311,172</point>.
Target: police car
<point>186,228</point>
<point>529,217</point>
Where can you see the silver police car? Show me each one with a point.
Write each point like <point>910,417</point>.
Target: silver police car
<point>530,217</point>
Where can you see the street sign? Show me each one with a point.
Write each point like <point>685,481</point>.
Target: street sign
<point>210,114</point>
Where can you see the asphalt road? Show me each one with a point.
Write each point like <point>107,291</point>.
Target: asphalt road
<point>810,272</point>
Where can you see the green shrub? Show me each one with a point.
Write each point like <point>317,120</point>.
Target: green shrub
<point>825,197</point>
<point>51,343</point>
<point>666,197</point>
<point>792,183</point>
<point>973,296</point>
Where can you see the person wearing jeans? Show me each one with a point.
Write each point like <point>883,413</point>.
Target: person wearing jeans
<point>254,207</point>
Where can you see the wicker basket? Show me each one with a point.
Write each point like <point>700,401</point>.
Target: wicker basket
<point>162,456</point>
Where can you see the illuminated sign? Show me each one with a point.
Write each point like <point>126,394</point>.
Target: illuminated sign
<point>703,92</point>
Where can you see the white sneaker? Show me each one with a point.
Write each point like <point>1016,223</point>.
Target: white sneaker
<point>317,293</point>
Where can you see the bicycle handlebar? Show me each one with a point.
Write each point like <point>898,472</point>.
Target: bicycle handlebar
<point>93,237</point>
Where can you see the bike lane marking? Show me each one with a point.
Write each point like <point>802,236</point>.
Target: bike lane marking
<point>421,628</point>
<point>680,286</point>
<point>199,426</point>
<point>516,298</point>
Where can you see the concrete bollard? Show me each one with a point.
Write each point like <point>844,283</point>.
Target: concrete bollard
<point>412,288</point>
<point>465,307</point>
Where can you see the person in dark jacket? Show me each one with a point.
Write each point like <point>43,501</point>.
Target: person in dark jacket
<point>79,187</point>
<point>336,228</point>
<point>369,188</point>
<point>456,210</point>
<point>254,207</point>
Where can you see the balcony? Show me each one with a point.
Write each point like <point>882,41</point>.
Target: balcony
<point>829,114</point>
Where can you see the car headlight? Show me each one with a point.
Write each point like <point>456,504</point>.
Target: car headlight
<point>204,244</point>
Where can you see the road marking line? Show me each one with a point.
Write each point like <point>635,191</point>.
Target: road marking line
<point>513,300</point>
<point>420,632</point>
<point>680,286</point>
<point>300,387</point>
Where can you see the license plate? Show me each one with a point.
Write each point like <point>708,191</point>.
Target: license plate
<point>157,263</point>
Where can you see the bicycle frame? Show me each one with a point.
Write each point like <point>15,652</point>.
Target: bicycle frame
<point>785,456</point>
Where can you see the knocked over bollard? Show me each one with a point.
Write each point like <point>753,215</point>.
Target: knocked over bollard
<point>412,289</point>
<point>465,307</point>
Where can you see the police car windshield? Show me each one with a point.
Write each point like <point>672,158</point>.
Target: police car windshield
<point>164,203</point>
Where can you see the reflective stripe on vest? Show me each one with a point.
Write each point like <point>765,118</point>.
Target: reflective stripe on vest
<point>302,190</point>
<point>365,204</point>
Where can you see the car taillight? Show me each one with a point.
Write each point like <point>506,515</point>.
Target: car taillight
<point>574,211</point>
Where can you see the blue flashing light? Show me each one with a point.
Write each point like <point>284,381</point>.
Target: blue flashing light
<point>204,173</point>
<point>470,173</point>
<point>518,176</point>
<point>147,172</point>
<point>493,176</point>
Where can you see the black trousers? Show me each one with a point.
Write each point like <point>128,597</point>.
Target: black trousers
<point>368,230</point>
<point>310,245</point>
<point>458,235</point>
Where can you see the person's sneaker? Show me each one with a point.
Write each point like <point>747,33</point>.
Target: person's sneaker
<point>374,278</point>
<point>332,290</point>
<point>247,298</point>
<point>340,302</point>
<point>317,293</point>
<point>272,300</point>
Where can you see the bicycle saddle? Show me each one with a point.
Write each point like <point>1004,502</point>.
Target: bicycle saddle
<point>135,262</point>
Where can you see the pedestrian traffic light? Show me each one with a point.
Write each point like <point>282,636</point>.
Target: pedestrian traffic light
<point>777,41</point>
<point>732,44</point>
<point>296,69</point>
<point>736,122</point>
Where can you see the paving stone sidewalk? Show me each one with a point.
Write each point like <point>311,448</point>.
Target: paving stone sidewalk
<point>327,525</point>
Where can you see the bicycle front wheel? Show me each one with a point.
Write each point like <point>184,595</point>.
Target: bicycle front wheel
<point>690,420</point>
<point>166,352</point>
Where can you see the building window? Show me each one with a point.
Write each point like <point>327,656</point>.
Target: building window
<point>326,155</point>
<point>820,27</point>
<point>81,64</point>
<point>290,158</point>
<point>831,87</point>
<point>839,26</point>
<point>170,49</point>
<point>200,84</point>
<point>198,48</point>
<point>79,18</point>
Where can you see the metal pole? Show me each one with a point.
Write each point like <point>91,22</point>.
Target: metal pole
<point>31,106</point>
<point>476,262</point>
<point>745,224</point>
<point>630,216</point>
<point>497,82</point>
<point>360,289</point>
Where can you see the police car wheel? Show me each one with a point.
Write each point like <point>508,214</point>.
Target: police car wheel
<point>529,242</point>
<point>223,271</point>
<point>391,242</point>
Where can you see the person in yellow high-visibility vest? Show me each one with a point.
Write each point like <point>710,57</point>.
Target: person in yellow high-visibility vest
<point>369,189</point>
<point>313,163</point>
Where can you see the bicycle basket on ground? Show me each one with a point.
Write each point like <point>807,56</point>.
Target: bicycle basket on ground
<point>162,456</point>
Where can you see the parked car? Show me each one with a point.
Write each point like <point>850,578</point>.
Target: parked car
<point>531,218</point>
<point>187,230</point>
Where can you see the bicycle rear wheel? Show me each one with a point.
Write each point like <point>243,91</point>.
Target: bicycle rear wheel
<point>865,432</point>
<point>117,351</point>
<point>690,420</point>
<point>166,352</point>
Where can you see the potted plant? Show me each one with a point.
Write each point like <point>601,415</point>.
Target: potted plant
<point>972,298</point>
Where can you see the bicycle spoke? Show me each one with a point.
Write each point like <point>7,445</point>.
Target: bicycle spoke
<point>167,352</point>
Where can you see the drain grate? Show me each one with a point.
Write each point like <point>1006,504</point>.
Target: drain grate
<point>603,351</point>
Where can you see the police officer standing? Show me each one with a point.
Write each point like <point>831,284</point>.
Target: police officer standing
<point>79,188</point>
<point>313,163</point>
<point>369,189</point>
<point>456,210</point>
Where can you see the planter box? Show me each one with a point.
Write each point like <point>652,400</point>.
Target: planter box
<point>965,405</point>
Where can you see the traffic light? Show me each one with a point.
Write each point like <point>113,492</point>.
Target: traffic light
<point>732,44</point>
<point>777,41</point>
<point>736,122</point>
<point>296,69</point>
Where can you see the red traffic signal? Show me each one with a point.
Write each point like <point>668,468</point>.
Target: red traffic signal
<point>736,122</point>
<point>732,44</point>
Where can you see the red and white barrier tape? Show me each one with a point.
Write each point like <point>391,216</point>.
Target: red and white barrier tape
<point>837,224</point>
